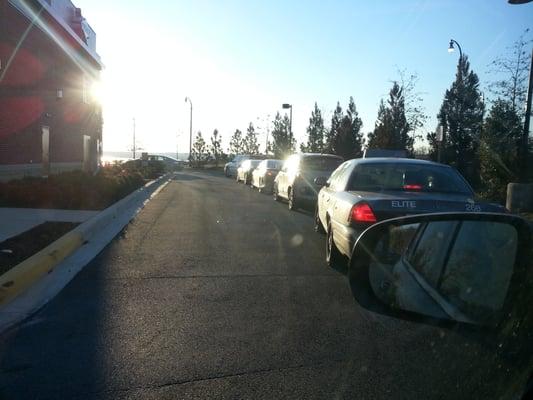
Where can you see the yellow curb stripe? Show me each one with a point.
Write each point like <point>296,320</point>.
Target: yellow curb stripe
<point>22,276</point>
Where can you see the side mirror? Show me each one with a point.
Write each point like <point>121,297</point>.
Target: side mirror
<point>442,268</point>
<point>321,181</point>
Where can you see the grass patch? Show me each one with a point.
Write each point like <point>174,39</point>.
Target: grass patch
<point>18,248</point>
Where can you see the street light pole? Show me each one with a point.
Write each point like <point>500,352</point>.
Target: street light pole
<point>285,106</point>
<point>527,119</point>
<point>188,99</point>
<point>134,145</point>
<point>451,48</point>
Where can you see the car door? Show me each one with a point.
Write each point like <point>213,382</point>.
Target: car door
<point>326,197</point>
<point>337,200</point>
<point>283,177</point>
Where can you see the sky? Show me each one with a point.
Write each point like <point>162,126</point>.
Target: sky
<point>240,60</point>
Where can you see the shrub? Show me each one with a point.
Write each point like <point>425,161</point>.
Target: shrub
<point>72,190</point>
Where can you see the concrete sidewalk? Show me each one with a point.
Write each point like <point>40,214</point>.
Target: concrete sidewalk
<point>14,221</point>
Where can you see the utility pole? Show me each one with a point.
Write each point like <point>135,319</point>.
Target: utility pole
<point>134,145</point>
<point>188,99</point>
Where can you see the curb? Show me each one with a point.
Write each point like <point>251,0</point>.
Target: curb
<point>28,286</point>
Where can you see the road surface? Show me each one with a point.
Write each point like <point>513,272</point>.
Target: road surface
<point>213,291</point>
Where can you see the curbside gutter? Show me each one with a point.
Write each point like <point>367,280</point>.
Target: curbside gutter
<point>28,286</point>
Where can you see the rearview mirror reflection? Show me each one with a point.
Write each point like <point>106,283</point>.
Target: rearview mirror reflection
<point>458,270</point>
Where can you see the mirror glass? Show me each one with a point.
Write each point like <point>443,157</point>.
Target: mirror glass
<point>457,270</point>
<point>320,181</point>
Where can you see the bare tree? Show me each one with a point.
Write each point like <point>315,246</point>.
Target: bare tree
<point>512,70</point>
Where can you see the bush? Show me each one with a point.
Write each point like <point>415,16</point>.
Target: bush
<point>72,190</point>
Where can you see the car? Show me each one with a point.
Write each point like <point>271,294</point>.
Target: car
<point>244,172</point>
<point>230,169</point>
<point>265,173</point>
<point>364,191</point>
<point>297,180</point>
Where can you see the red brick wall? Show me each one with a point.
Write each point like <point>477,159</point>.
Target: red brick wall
<point>28,95</point>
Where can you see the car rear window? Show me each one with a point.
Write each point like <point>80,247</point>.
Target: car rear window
<point>407,177</point>
<point>274,164</point>
<point>319,163</point>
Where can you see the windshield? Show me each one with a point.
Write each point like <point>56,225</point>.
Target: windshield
<point>320,163</point>
<point>175,221</point>
<point>407,177</point>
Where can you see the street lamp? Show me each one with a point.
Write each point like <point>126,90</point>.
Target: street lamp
<point>285,106</point>
<point>451,49</point>
<point>188,99</point>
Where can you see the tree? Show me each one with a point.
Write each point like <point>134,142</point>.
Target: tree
<point>348,141</point>
<point>315,133</point>
<point>461,116</point>
<point>414,109</point>
<point>282,145</point>
<point>216,148</point>
<point>513,70</point>
<point>392,128</point>
<point>236,144</point>
<point>200,153</point>
<point>336,121</point>
<point>250,144</point>
<point>499,160</point>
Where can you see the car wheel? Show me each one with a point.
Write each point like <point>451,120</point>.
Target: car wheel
<point>275,194</point>
<point>333,256</point>
<point>293,204</point>
<point>318,225</point>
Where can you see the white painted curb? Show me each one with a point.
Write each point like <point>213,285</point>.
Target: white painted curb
<point>97,232</point>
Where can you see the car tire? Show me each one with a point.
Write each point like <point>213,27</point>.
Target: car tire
<point>275,194</point>
<point>293,203</point>
<point>318,225</point>
<point>333,256</point>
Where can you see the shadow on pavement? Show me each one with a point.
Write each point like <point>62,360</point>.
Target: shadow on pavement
<point>186,177</point>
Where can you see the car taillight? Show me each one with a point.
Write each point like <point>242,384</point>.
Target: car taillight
<point>362,213</point>
<point>412,187</point>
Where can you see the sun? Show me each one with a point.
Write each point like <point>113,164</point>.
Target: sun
<point>97,92</point>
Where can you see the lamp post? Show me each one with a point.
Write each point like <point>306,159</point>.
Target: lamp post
<point>285,106</point>
<point>188,99</point>
<point>134,144</point>
<point>451,48</point>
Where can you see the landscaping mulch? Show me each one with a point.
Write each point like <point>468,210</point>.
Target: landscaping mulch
<point>18,248</point>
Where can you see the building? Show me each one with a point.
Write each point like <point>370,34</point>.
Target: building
<point>49,121</point>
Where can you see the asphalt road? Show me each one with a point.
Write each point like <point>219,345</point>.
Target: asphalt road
<point>214,291</point>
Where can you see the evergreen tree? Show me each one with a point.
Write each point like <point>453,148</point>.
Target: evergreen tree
<point>498,150</point>
<point>461,116</point>
<point>200,153</point>
<point>336,121</point>
<point>348,142</point>
<point>315,133</point>
<point>391,128</point>
<point>250,144</point>
<point>236,143</point>
<point>282,145</point>
<point>216,147</point>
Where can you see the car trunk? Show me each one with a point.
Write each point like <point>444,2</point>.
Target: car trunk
<point>391,204</point>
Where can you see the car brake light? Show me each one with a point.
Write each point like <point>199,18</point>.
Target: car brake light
<point>412,187</point>
<point>362,213</point>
